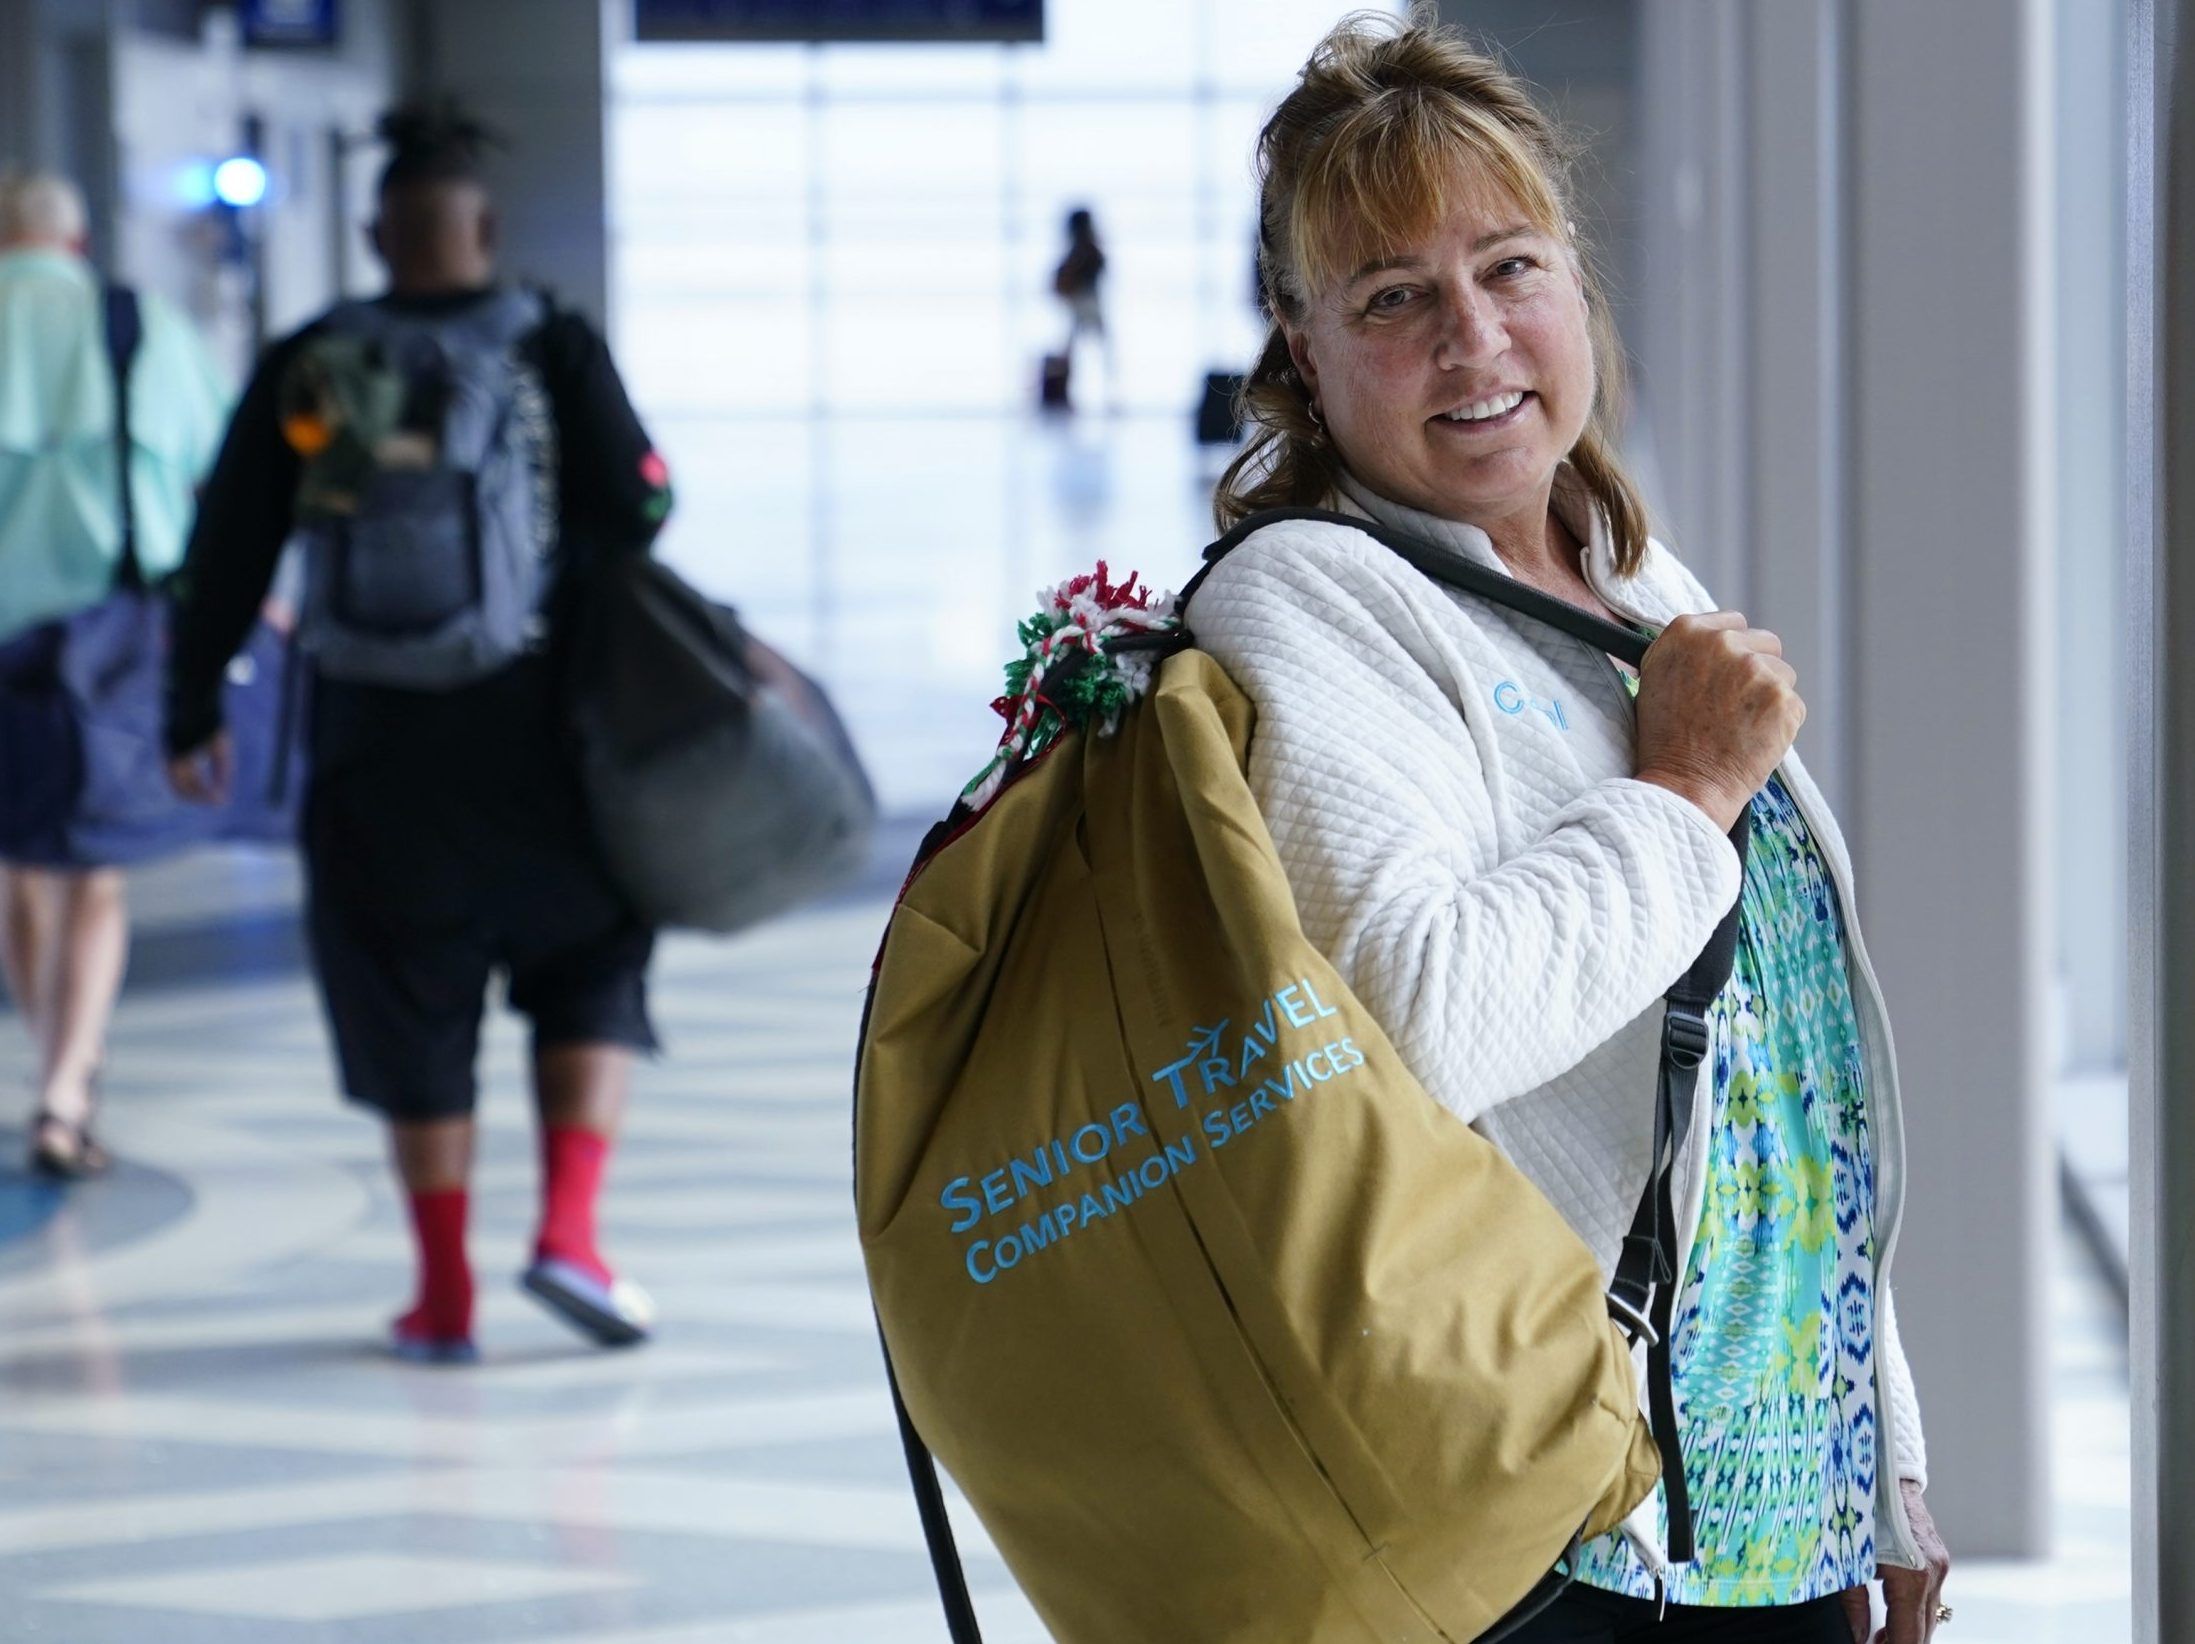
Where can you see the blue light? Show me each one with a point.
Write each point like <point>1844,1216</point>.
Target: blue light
<point>194,184</point>
<point>240,182</point>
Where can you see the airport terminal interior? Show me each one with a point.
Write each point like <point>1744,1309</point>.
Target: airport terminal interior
<point>825,270</point>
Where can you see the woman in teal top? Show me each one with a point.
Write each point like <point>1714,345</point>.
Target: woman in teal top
<point>64,930</point>
<point>1496,850</point>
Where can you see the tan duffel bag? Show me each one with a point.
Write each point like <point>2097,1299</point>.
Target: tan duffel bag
<point>1229,1333</point>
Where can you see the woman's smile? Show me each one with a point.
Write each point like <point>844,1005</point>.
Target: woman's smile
<point>1475,418</point>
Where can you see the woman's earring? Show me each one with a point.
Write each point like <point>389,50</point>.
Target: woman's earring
<point>1313,407</point>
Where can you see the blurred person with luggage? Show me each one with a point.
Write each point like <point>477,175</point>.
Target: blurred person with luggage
<point>88,372</point>
<point>453,458</point>
<point>1078,282</point>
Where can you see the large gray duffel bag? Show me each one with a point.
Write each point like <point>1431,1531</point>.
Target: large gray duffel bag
<point>722,785</point>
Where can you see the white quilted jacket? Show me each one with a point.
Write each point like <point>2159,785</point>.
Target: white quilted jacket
<point>1449,787</point>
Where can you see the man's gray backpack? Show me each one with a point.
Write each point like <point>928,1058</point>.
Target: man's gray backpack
<point>424,504</point>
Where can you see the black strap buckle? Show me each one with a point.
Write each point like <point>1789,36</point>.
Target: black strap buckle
<point>1684,1038</point>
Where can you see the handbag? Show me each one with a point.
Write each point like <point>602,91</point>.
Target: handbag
<point>82,763</point>
<point>1226,1329</point>
<point>721,783</point>
<point>110,677</point>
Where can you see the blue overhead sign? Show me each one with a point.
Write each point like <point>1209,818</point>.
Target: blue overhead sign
<point>290,22</point>
<point>841,20</point>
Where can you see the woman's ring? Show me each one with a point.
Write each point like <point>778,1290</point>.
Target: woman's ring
<point>1943,1614</point>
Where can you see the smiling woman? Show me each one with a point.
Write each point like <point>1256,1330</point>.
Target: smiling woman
<point>1417,203</point>
<point>1508,849</point>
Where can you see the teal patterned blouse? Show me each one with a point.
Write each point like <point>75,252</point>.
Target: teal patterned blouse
<point>1774,1346</point>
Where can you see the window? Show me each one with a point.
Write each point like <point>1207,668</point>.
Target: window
<point>831,270</point>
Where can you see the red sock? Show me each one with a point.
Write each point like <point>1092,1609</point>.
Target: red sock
<point>444,1311</point>
<point>572,1163</point>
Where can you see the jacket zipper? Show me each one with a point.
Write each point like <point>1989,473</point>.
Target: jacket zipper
<point>1890,1142</point>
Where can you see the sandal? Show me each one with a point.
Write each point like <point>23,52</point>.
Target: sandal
<point>63,1150</point>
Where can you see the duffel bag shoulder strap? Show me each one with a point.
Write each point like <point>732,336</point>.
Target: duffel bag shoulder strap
<point>937,1527</point>
<point>1642,1294</point>
<point>1442,565</point>
<point>123,324</point>
<point>922,1474</point>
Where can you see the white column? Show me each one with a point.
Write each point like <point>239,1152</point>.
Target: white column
<point>1846,332</point>
<point>1693,308</point>
<point>1794,274</point>
<point>1951,510</point>
<point>2161,892</point>
<point>534,69</point>
<point>2092,748</point>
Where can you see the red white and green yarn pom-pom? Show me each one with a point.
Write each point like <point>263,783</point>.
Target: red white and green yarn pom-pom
<point>1066,678</point>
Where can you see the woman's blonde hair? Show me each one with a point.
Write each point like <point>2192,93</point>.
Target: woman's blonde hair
<point>1364,156</point>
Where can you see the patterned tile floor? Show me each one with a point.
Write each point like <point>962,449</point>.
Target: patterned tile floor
<point>201,1441</point>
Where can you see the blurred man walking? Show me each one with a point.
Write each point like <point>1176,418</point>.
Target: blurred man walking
<point>452,457</point>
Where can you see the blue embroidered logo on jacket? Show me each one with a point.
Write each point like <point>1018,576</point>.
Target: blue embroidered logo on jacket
<point>1512,699</point>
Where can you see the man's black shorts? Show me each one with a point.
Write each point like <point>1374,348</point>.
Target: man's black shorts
<point>445,839</point>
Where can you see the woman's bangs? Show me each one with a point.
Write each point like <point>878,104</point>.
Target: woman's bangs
<point>1390,176</point>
